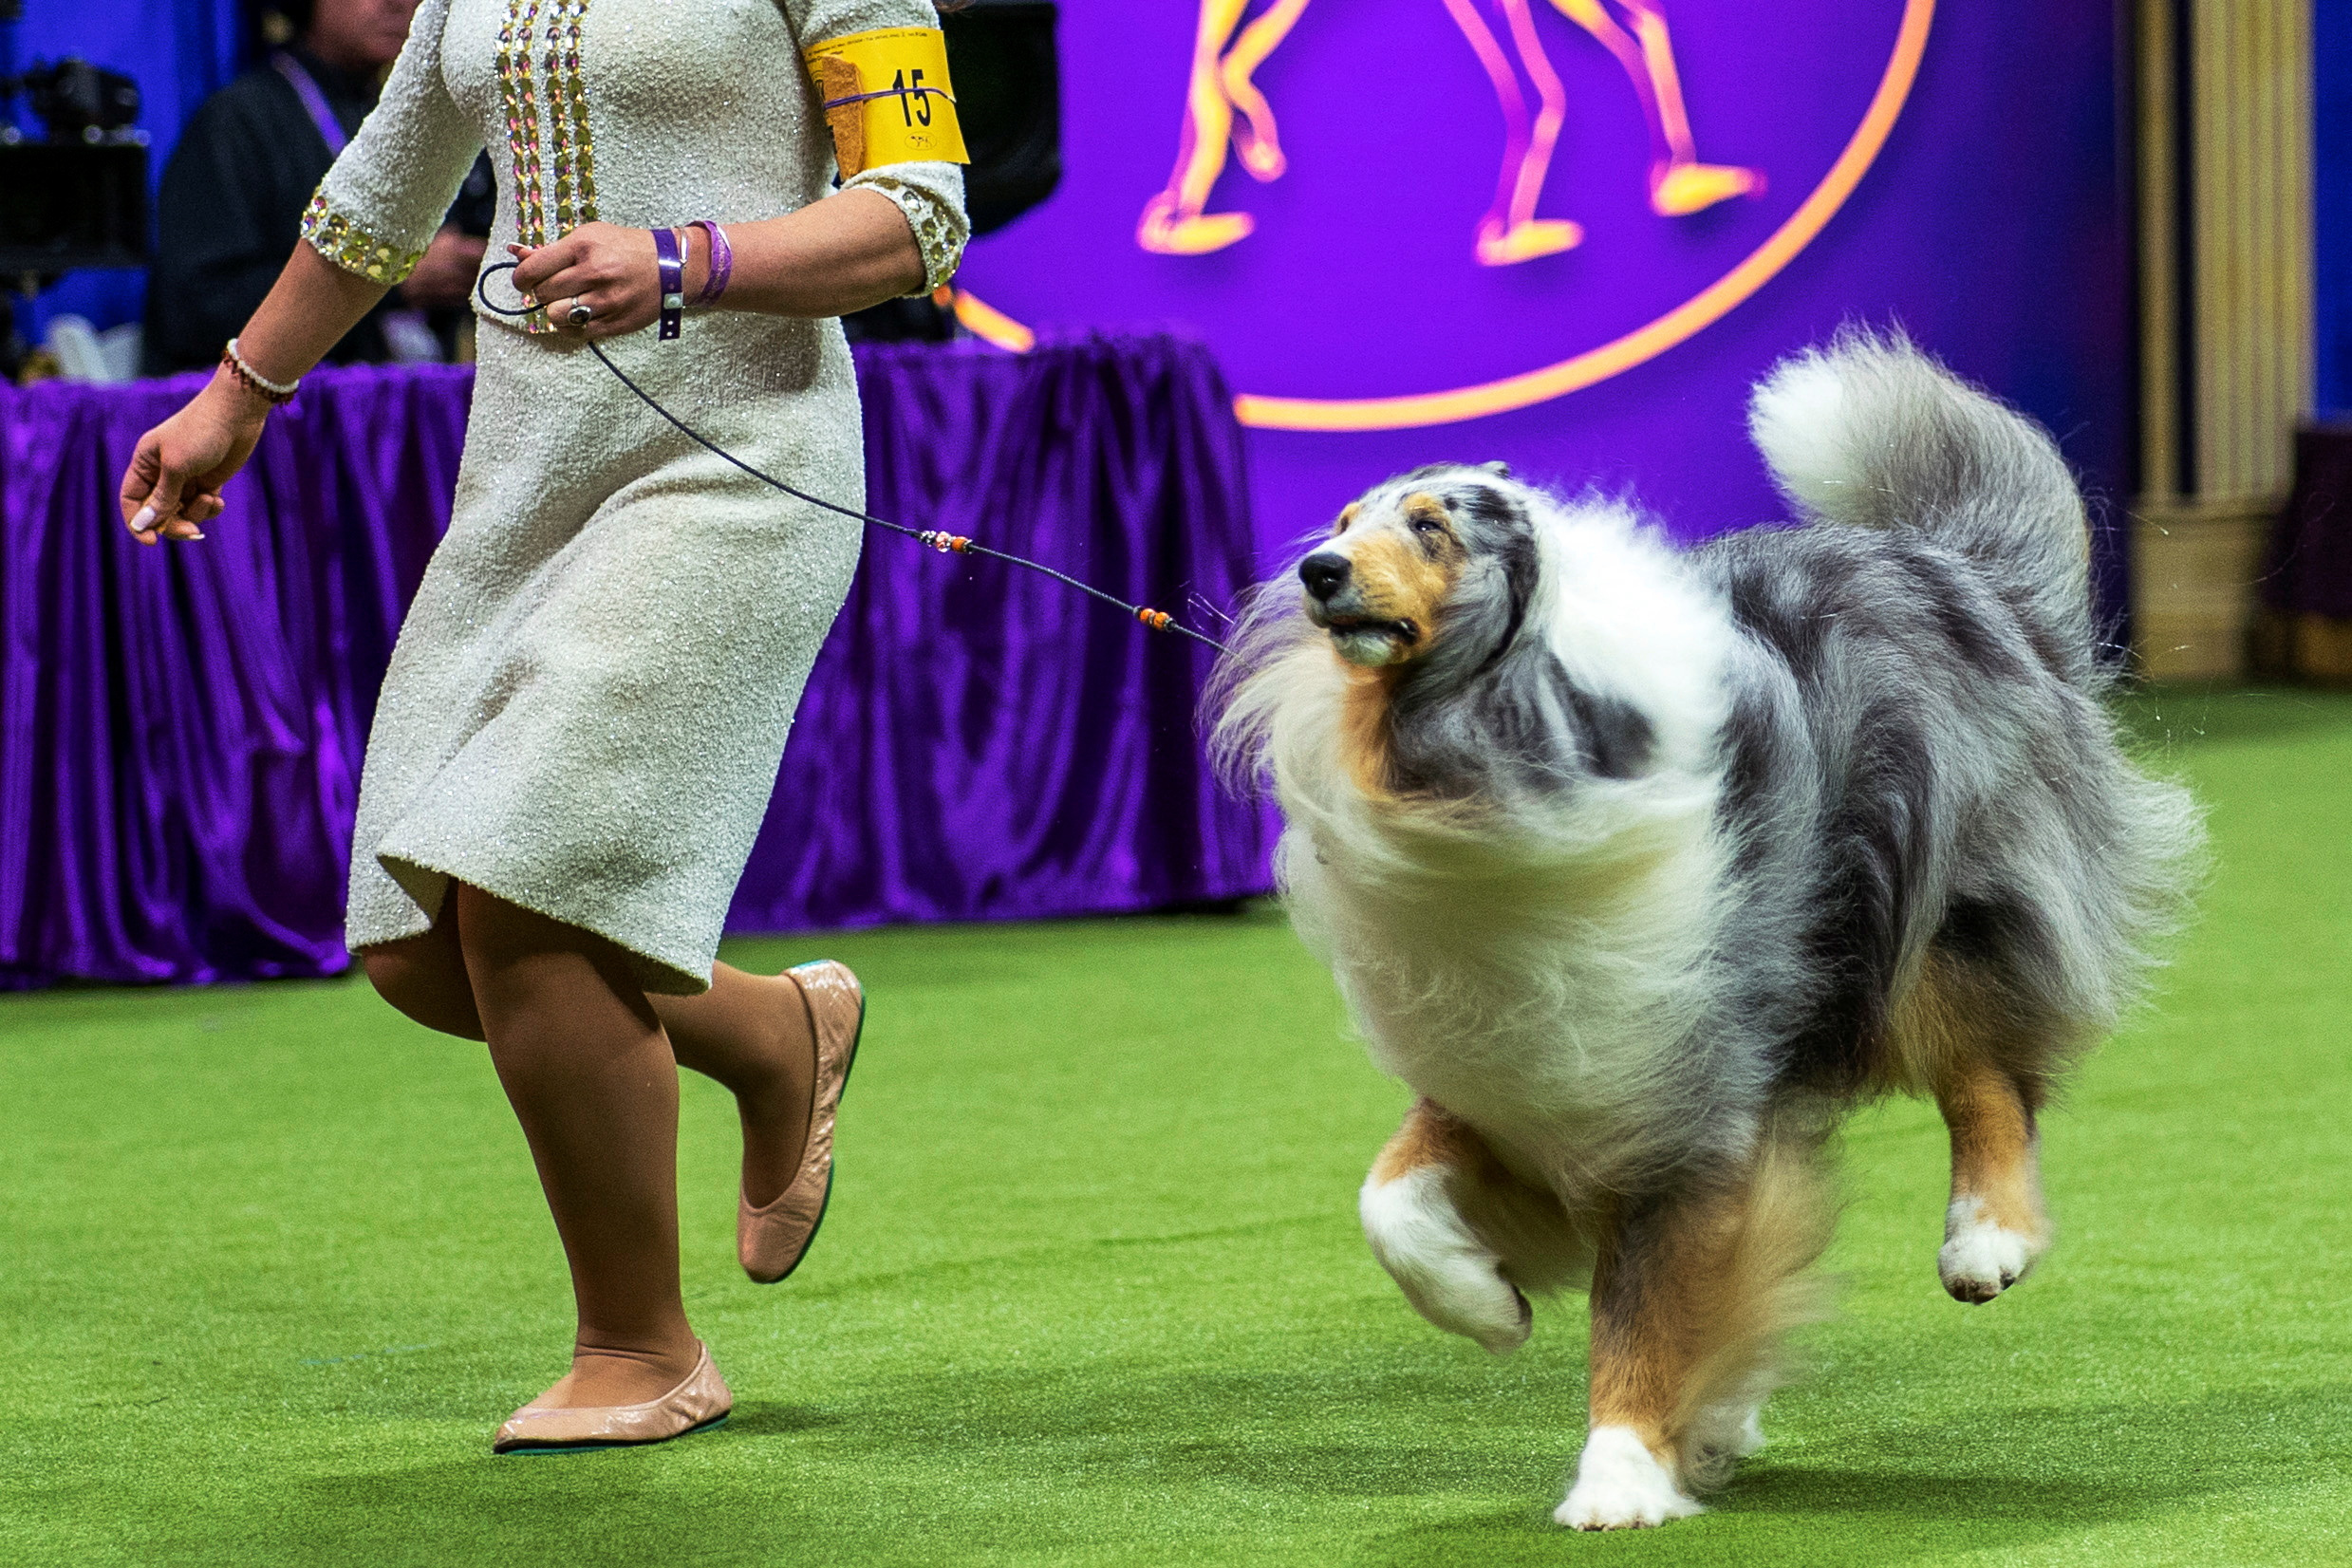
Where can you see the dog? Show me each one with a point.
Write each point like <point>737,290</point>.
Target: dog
<point>1641,866</point>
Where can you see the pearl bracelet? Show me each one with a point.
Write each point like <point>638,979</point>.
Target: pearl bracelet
<point>262,387</point>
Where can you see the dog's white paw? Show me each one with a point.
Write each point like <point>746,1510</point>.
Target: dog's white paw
<point>1980,1258</point>
<point>1620,1485</point>
<point>1733,1430</point>
<point>1451,1277</point>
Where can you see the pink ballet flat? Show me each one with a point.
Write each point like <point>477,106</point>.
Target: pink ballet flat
<point>696,1405</point>
<point>771,1238</point>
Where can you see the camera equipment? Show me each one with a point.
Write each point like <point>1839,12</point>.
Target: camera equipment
<point>80,103</point>
<point>79,199</point>
<point>63,207</point>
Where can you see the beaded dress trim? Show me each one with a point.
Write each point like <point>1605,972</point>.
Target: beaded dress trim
<point>525,52</point>
<point>338,238</point>
<point>568,118</point>
<point>936,235</point>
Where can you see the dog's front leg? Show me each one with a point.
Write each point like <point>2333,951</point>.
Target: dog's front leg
<point>1691,1291</point>
<point>1458,1233</point>
<point>1626,1478</point>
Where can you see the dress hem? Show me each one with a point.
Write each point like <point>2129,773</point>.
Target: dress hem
<point>414,876</point>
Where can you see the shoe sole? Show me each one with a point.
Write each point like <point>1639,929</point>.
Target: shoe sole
<point>591,1447</point>
<point>826,1202</point>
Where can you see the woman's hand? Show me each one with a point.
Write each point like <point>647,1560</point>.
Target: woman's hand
<point>172,487</point>
<point>612,271</point>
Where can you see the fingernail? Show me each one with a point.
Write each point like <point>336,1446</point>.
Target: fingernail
<point>144,521</point>
<point>192,536</point>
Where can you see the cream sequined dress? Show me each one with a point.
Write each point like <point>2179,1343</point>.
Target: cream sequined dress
<point>590,694</point>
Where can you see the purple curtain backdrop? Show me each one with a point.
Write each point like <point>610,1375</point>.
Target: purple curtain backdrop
<point>979,742</point>
<point>181,730</point>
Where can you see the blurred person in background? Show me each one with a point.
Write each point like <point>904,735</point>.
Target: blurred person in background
<point>235,187</point>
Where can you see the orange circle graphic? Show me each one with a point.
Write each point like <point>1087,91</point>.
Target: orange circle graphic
<point>1647,342</point>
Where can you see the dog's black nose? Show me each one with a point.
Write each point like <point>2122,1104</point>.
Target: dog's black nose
<point>1324,573</point>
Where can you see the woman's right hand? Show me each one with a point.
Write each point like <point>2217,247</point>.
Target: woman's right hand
<point>172,487</point>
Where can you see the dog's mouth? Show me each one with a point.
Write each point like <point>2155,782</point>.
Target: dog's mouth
<point>1367,640</point>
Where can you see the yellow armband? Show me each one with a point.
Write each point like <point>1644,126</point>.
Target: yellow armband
<point>888,98</point>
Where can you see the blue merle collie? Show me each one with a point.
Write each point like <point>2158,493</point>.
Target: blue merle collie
<point>1640,866</point>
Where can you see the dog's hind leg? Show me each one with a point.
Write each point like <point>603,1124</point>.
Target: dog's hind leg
<point>1995,1230</point>
<point>1464,1238</point>
<point>1692,1294</point>
<point>1956,1034</point>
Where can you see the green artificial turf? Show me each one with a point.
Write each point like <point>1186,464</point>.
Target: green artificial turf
<point>273,1266</point>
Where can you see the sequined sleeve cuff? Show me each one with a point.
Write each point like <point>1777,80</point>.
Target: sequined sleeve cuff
<point>334,234</point>
<point>937,220</point>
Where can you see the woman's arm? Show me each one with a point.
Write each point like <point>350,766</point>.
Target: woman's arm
<point>172,487</point>
<point>849,251</point>
<point>373,215</point>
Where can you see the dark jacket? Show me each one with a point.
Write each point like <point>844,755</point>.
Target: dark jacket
<point>231,207</point>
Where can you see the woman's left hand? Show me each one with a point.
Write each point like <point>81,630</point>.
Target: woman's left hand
<point>612,271</point>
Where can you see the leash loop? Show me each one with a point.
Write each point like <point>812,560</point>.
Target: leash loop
<point>946,543</point>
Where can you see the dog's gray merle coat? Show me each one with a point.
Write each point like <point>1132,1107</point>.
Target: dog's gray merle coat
<point>1913,752</point>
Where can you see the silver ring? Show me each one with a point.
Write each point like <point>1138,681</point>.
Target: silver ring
<point>580,315</point>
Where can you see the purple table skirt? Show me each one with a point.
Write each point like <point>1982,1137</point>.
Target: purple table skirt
<point>182,729</point>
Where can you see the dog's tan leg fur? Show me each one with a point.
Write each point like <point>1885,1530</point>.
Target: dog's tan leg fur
<point>1690,1299</point>
<point>1431,1137</point>
<point>1954,1038</point>
<point>1464,1238</point>
<point>1995,1228</point>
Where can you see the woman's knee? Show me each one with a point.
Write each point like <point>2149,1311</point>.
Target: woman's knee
<point>426,979</point>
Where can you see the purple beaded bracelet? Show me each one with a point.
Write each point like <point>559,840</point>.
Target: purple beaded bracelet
<point>723,261</point>
<point>670,259</point>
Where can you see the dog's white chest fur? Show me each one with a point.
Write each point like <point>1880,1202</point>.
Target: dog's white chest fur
<point>1542,990</point>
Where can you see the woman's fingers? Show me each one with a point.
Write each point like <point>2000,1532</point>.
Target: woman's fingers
<point>539,270</point>
<point>160,501</point>
<point>139,483</point>
<point>160,510</point>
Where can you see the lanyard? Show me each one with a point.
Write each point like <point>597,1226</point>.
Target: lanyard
<point>330,129</point>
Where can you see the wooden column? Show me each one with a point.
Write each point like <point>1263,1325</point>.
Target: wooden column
<point>2225,229</point>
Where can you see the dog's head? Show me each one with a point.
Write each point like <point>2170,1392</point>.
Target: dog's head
<point>1459,635</point>
<point>1434,568</point>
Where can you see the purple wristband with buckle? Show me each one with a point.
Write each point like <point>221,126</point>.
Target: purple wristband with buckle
<point>723,261</point>
<point>671,259</point>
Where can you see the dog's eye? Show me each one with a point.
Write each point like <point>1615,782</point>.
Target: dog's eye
<point>1427,525</point>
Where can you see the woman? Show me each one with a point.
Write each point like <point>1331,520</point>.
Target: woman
<point>582,722</point>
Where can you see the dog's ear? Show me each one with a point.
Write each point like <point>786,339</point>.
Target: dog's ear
<point>1500,468</point>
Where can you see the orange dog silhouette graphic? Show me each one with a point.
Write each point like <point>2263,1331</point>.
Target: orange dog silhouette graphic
<point>1225,111</point>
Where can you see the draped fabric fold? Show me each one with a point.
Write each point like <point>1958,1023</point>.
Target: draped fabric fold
<point>181,729</point>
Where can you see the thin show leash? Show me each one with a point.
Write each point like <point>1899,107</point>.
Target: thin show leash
<point>946,544</point>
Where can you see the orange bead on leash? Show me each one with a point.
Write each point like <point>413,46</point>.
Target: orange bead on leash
<point>946,544</point>
<point>1158,619</point>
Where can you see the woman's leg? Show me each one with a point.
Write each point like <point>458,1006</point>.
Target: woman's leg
<point>424,977</point>
<point>585,1063</point>
<point>749,1032</point>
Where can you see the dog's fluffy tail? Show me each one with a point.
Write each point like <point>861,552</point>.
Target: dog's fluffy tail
<point>1870,432</point>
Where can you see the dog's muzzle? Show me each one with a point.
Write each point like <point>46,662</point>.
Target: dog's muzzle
<point>1336,602</point>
